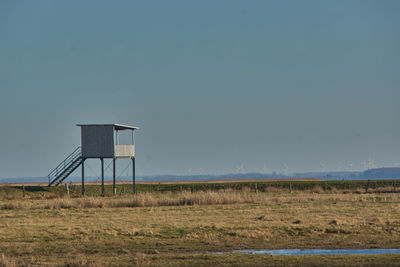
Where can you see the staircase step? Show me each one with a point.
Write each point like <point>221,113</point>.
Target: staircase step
<point>66,167</point>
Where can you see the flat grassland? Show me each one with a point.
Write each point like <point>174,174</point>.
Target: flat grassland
<point>185,228</point>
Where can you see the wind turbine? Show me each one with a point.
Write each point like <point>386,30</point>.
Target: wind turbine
<point>322,165</point>
<point>285,169</point>
<point>364,164</point>
<point>371,163</point>
<point>265,169</point>
<point>240,169</point>
<point>350,166</point>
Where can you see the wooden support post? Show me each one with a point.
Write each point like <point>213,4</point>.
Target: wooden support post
<point>67,187</point>
<point>23,190</point>
<point>102,177</point>
<point>83,177</point>
<point>133,175</point>
<point>394,186</point>
<point>114,186</point>
<point>290,186</point>
<point>255,188</point>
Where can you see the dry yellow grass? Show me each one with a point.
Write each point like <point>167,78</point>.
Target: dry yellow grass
<point>160,228</point>
<point>189,199</point>
<point>139,200</point>
<point>6,262</point>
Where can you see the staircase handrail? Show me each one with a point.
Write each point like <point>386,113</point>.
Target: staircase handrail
<point>65,163</point>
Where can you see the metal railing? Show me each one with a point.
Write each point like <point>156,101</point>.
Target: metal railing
<point>65,164</point>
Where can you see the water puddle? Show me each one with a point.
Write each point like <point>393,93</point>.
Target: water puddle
<point>314,251</point>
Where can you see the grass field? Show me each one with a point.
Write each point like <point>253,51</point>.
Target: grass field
<point>349,186</point>
<point>181,228</point>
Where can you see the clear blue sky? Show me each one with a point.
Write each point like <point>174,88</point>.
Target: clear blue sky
<point>214,85</point>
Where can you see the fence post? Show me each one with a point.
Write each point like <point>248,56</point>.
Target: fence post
<point>290,186</point>
<point>366,188</point>
<point>23,190</point>
<point>67,187</point>
<point>394,186</point>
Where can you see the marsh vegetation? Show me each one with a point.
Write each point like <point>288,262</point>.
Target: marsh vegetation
<point>181,228</point>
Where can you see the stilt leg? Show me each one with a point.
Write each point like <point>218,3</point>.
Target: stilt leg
<point>83,177</point>
<point>114,186</point>
<point>133,175</point>
<point>102,177</point>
